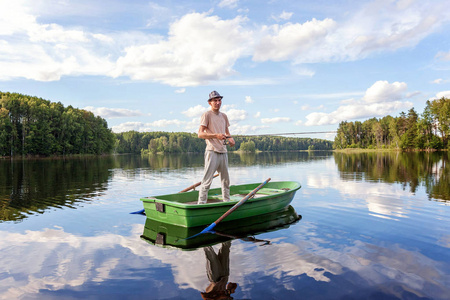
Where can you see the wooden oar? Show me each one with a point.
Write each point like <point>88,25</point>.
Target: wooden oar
<point>249,195</point>
<point>142,211</point>
<point>194,186</point>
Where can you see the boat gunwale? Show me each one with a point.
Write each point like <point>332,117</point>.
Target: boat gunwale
<point>154,199</point>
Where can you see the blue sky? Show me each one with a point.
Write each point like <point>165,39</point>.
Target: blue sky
<point>282,66</point>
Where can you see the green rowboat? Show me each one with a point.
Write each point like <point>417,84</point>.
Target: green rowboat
<point>181,209</point>
<point>172,236</point>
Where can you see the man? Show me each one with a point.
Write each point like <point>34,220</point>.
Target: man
<point>214,129</point>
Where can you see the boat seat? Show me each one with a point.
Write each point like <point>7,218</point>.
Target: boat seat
<point>232,197</point>
<point>265,191</point>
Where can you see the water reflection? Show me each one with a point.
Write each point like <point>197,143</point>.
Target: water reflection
<point>218,271</point>
<point>218,263</point>
<point>33,186</point>
<point>322,264</point>
<point>339,250</point>
<point>411,170</point>
<point>275,158</point>
<point>191,160</point>
<point>172,236</point>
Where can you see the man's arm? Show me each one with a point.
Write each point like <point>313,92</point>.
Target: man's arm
<point>205,135</point>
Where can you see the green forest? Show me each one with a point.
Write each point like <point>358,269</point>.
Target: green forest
<point>37,127</point>
<point>409,131</point>
<point>32,126</point>
<point>182,142</point>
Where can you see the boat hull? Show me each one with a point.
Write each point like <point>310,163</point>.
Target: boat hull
<point>181,209</point>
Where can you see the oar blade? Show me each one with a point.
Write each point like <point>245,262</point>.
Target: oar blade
<point>209,228</point>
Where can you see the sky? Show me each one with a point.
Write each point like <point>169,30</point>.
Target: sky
<point>282,66</point>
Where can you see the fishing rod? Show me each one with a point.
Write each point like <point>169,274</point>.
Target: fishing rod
<point>226,142</point>
<point>275,134</point>
<point>288,133</point>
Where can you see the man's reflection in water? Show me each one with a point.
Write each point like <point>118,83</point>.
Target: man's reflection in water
<point>218,271</point>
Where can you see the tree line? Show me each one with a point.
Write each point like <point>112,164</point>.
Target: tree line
<point>182,142</point>
<point>34,126</point>
<point>408,131</point>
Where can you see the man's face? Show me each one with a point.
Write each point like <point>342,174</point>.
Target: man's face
<point>215,103</point>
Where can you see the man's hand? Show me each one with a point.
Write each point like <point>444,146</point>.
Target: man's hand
<point>221,136</point>
<point>229,141</point>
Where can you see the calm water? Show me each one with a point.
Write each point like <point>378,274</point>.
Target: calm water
<point>372,226</point>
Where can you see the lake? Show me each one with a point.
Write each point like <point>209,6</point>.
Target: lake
<point>363,226</point>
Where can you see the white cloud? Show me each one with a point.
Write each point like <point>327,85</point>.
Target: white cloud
<point>383,91</point>
<point>440,81</point>
<point>164,123</point>
<point>302,71</point>
<point>146,127</point>
<point>228,3</point>
<point>157,14</point>
<point>308,107</point>
<point>258,114</point>
<point>128,126</point>
<point>180,91</point>
<point>378,26</point>
<point>291,40</point>
<point>284,16</point>
<point>248,99</point>
<point>192,125</point>
<point>381,99</point>
<point>248,82</point>
<point>235,114</point>
<point>275,120</point>
<point>445,94</point>
<point>106,112</point>
<point>356,111</point>
<point>196,111</point>
<point>189,56</point>
<point>45,52</point>
<point>236,129</point>
<point>445,56</point>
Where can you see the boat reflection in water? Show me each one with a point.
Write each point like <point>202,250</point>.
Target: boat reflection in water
<point>167,235</point>
<point>218,264</point>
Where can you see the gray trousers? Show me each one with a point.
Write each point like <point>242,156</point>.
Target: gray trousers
<point>218,265</point>
<point>215,161</point>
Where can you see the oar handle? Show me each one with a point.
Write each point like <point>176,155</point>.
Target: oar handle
<point>194,185</point>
